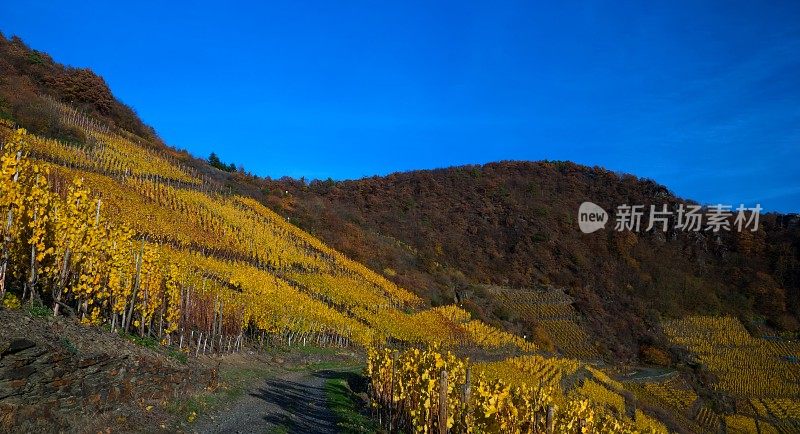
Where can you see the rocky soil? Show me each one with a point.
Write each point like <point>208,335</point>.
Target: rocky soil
<point>60,376</point>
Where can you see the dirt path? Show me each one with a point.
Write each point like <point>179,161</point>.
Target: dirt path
<point>293,402</point>
<point>644,375</point>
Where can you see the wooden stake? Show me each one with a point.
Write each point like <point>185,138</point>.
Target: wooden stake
<point>467,392</point>
<point>391,389</point>
<point>443,403</point>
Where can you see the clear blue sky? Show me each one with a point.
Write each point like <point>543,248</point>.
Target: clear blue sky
<point>702,97</point>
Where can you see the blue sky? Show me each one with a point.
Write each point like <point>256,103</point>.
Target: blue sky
<point>703,97</point>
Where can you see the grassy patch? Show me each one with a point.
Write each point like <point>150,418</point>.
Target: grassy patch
<point>178,355</point>
<point>308,350</point>
<point>232,385</point>
<point>146,341</point>
<point>344,405</point>
<point>40,311</point>
<point>280,429</point>
<point>234,382</point>
<point>326,365</point>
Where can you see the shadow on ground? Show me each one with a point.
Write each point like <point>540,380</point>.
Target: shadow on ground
<point>303,406</point>
<point>355,381</point>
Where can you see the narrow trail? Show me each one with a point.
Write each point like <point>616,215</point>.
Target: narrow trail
<point>293,402</point>
<point>644,375</point>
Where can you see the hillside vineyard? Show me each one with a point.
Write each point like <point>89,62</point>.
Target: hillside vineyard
<point>122,236</point>
<point>119,236</point>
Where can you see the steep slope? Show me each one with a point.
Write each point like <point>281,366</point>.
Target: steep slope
<point>118,230</point>
<point>82,236</point>
<point>28,78</point>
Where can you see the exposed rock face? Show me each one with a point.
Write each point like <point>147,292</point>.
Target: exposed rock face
<point>44,386</point>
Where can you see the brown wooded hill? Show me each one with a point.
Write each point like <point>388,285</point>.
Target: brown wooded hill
<point>446,233</point>
<point>28,77</point>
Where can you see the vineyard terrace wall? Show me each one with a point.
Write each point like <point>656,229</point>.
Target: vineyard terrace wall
<point>48,383</point>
